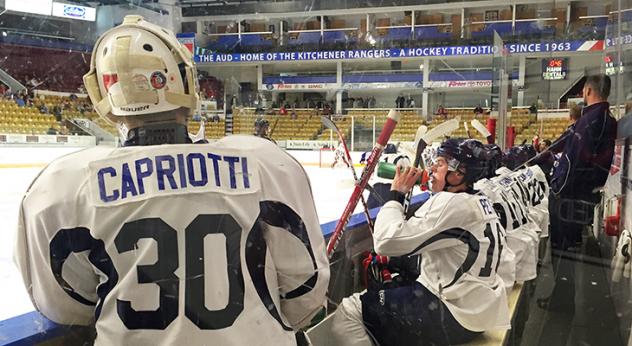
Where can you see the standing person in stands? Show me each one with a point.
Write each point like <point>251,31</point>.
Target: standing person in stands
<point>442,112</point>
<point>478,110</point>
<point>165,242</point>
<point>577,176</point>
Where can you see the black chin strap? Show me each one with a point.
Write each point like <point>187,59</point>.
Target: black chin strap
<point>171,133</point>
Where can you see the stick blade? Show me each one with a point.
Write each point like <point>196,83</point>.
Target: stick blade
<point>443,129</point>
<point>480,128</point>
<point>328,123</point>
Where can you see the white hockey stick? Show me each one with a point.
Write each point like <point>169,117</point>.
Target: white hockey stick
<point>482,130</point>
<point>425,139</point>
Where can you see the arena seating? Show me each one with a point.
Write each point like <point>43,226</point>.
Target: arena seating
<point>282,127</point>
<point>338,36</point>
<point>24,120</point>
<point>307,125</point>
<point>551,129</point>
<point>59,70</point>
<point>224,42</point>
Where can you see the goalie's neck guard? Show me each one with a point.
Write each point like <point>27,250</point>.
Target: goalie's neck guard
<point>172,133</point>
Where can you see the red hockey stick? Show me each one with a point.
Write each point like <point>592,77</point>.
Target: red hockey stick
<point>332,126</point>
<point>372,161</point>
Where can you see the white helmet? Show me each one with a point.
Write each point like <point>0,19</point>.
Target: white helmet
<point>140,68</point>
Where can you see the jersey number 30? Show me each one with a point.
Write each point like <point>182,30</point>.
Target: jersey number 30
<point>162,272</point>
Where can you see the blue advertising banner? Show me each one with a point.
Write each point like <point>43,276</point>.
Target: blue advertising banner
<point>514,48</point>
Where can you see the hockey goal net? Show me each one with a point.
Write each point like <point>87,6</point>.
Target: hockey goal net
<point>327,157</point>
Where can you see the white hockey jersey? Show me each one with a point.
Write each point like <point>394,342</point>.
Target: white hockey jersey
<point>175,244</point>
<point>461,242</point>
<point>533,180</point>
<point>522,232</point>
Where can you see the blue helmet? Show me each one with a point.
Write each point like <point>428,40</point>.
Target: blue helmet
<point>390,149</point>
<point>467,156</point>
<point>518,155</point>
<point>495,155</point>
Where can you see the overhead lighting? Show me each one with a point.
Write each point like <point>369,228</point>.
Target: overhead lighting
<point>4,33</point>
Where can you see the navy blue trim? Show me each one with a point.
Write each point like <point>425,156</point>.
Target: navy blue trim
<point>79,239</point>
<point>256,250</point>
<point>461,235</point>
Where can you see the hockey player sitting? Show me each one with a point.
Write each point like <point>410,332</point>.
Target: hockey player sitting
<point>164,242</point>
<point>522,232</point>
<point>457,294</point>
<point>262,129</point>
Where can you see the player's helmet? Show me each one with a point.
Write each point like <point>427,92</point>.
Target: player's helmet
<point>261,126</point>
<point>518,155</point>
<point>139,68</point>
<point>467,156</point>
<point>390,149</point>
<point>495,156</point>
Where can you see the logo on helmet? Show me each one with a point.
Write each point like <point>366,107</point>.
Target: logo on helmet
<point>158,80</point>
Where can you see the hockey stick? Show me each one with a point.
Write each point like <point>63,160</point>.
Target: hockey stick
<point>387,130</point>
<point>482,130</point>
<point>410,151</point>
<point>467,130</point>
<point>274,126</point>
<point>422,140</point>
<point>332,126</point>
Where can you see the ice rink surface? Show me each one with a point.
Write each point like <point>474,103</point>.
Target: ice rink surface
<point>331,188</point>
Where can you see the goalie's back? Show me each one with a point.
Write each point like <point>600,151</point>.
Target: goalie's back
<point>175,244</point>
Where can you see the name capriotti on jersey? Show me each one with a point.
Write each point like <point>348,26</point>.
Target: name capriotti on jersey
<point>125,179</point>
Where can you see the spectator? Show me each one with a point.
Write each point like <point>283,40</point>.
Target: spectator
<point>293,114</point>
<point>283,110</point>
<point>533,109</point>
<point>51,131</point>
<point>327,111</point>
<point>400,101</point>
<point>57,111</point>
<point>478,110</point>
<point>582,169</point>
<point>411,102</point>
<point>43,109</point>
<point>442,112</point>
<point>20,102</point>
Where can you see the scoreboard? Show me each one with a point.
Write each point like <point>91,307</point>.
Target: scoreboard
<point>554,68</point>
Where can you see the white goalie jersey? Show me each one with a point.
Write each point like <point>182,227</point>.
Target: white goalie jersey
<point>175,244</point>
<point>461,242</point>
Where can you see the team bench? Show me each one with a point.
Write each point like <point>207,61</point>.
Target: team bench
<point>319,335</point>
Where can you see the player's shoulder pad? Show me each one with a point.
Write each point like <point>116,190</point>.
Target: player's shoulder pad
<point>70,167</point>
<point>464,207</point>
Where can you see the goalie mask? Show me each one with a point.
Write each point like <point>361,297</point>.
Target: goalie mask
<point>139,68</point>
